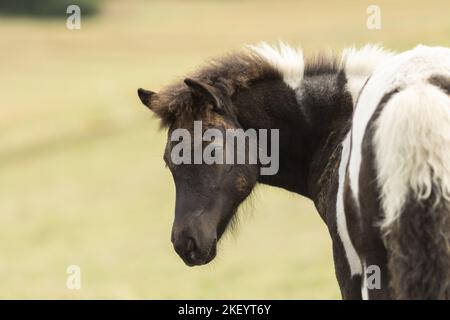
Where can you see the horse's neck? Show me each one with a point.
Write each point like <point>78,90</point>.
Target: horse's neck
<point>311,121</point>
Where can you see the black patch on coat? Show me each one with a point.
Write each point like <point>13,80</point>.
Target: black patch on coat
<point>443,82</point>
<point>418,249</point>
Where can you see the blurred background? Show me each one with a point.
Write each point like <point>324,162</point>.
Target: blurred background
<point>82,180</point>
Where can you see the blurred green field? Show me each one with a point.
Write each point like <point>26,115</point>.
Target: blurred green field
<point>82,180</point>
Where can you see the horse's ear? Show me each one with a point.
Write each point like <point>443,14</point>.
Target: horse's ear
<point>205,92</point>
<point>145,96</point>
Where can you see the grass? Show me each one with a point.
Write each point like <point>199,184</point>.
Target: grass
<point>82,179</point>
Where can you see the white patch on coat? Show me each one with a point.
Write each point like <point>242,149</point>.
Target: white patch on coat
<point>360,63</point>
<point>411,67</point>
<point>350,252</point>
<point>364,287</point>
<point>287,60</point>
<point>412,145</point>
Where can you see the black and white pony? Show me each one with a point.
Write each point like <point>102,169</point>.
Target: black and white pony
<point>380,181</point>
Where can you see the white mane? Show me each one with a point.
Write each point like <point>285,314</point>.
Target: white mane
<point>358,64</point>
<point>287,60</point>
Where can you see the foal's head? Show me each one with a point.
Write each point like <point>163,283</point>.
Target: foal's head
<point>207,195</point>
<point>309,102</point>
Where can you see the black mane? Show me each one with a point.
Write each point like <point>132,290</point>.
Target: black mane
<point>323,63</point>
<point>231,73</point>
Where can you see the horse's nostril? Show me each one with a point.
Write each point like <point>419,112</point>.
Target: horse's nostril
<point>186,247</point>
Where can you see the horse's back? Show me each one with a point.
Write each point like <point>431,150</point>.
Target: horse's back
<point>416,66</point>
<point>399,176</point>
